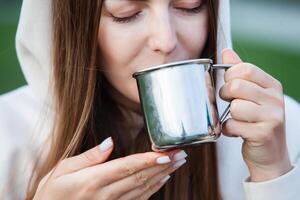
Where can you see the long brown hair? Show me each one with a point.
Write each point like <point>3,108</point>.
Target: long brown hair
<point>86,114</point>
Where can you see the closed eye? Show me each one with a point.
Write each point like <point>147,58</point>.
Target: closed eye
<point>126,19</point>
<point>194,10</point>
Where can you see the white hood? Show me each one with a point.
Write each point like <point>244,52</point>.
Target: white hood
<point>22,110</point>
<point>33,44</point>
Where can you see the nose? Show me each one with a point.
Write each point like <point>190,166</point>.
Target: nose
<point>163,37</point>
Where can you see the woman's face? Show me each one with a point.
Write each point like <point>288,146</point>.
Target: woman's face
<point>137,34</point>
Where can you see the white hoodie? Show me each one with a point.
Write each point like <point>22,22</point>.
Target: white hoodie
<point>26,116</point>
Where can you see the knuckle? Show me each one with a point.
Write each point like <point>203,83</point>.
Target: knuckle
<point>226,127</point>
<point>141,178</point>
<point>143,191</point>
<point>265,136</point>
<point>222,90</point>
<point>278,119</point>
<point>91,156</point>
<point>235,86</point>
<point>276,97</point>
<point>229,127</point>
<point>128,169</point>
<point>146,159</point>
<point>279,100</point>
<point>279,85</point>
<point>144,188</point>
<point>147,162</point>
<point>268,132</point>
<point>152,189</point>
<point>234,107</point>
<point>146,194</point>
<point>248,70</point>
<point>90,187</point>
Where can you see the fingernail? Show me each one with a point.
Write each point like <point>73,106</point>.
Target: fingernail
<point>163,160</point>
<point>165,179</point>
<point>179,163</point>
<point>179,155</point>
<point>106,144</point>
<point>226,49</point>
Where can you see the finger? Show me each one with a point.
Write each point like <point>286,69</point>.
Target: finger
<point>144,178</point>
<point>154,188</point>
<point>247,71</point>
<point>94,156</point>
<point>235,128</point>
<point>129,184</point>
<point>243,89</point>
<point>229,56</point>
<point>252,132</point>
<point>256,133</point>
<point>148,189</point>
<point>252,73</point>
<point>246,111</point>
<point>120,168</point>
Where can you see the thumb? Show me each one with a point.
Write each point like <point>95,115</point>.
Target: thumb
<point>94,156</point>
<point>229,56</point>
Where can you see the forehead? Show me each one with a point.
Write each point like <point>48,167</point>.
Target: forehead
<point>120,1</point>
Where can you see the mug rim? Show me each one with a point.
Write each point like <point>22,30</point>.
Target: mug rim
<point>157,67</point>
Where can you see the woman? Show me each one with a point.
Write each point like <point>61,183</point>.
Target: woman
<point>96,46</point>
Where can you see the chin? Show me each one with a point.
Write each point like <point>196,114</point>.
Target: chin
<point>131,97</point>
<point>134,94</point>
<point>135,97</point>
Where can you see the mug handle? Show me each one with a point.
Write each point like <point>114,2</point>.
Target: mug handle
<point>227,110</point>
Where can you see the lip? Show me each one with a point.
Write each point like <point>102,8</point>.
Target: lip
<point>165,62</point>
<point>166,65</point>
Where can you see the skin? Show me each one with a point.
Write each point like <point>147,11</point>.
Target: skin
<point>163,32</point>
<point>257,109</point>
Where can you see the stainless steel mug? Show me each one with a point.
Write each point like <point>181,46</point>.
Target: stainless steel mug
<point>179,104</point>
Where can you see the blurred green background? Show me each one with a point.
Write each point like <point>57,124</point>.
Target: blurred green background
<point>271,44</point>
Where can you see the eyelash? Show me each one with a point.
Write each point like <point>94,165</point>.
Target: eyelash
<point>192,10</point>
<point>133,17</point>
<point>126,19</point>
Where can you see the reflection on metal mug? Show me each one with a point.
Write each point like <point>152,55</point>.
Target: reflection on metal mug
<point>179,104</point>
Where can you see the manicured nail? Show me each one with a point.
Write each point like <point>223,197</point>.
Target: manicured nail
<point>179,155</point>
<point>179,163</point>
<point>106,144</point>
<point>165,179</point>
<point>163,160</point>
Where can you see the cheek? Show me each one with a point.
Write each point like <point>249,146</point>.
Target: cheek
<point>117,52</point>
<point>193,34</point>
<point>119,44</point>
